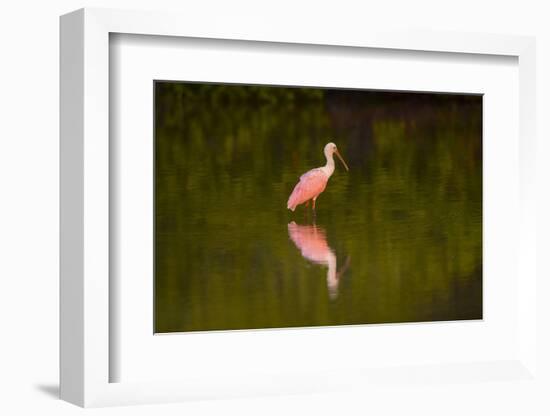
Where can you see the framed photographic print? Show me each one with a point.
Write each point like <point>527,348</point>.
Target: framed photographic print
<point>266,214</point>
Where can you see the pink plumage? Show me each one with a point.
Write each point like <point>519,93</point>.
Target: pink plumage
<point>311,184</point>
<point>314,182</point>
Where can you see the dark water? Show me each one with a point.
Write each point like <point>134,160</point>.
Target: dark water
<point>398,238</point>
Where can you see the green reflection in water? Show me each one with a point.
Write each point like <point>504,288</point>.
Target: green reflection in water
<point>398,238</point>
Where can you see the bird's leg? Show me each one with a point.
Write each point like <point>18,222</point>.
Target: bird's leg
<point>314,213</point>
<point>307,203</point>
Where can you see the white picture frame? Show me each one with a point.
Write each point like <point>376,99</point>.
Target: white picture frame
<point>85,211</point>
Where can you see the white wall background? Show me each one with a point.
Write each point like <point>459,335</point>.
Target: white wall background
<point>29,207</point>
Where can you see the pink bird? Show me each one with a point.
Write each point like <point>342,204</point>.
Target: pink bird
<point>313,182</point>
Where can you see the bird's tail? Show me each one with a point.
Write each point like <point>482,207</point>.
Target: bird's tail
<point>291,204</point>
<point>293,199</point>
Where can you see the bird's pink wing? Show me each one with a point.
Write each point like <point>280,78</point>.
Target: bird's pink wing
<point>311,184</point>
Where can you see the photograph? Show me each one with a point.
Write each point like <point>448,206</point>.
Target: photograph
<point>291,206</point>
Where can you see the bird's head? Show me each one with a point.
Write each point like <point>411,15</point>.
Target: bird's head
<point>330,149</point>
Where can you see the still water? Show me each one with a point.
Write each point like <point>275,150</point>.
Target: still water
<point>398,238</point>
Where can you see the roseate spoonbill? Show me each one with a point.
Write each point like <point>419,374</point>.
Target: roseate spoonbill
<point>313,182</point>
<point>311,240</point>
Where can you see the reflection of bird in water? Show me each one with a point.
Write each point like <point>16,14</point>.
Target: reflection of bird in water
<point>311,240</point>
<point>313,182</point>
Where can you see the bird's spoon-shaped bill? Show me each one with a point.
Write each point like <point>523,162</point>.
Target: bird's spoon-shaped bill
<point>341,159</point>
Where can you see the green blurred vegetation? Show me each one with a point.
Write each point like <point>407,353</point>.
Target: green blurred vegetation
<point>178,94</point>
<point>407,215</point>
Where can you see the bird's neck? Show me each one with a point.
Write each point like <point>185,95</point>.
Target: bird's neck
<point>329,167</point>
